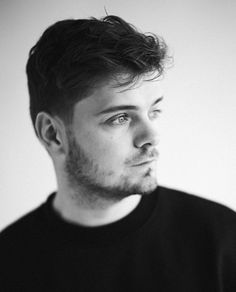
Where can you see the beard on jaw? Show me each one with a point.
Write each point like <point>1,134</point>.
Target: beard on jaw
<point>88,180</point>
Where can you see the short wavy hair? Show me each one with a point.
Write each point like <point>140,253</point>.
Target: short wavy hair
<point>73,56</point>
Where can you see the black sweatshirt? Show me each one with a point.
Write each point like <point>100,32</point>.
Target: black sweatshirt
<point>172,241</point>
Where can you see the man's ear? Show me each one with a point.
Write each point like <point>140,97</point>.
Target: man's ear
<point>50,132</point>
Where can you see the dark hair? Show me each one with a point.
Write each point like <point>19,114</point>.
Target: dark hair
<point>73,56</point>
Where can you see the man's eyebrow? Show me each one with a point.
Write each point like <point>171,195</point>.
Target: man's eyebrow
<point>125,107</point>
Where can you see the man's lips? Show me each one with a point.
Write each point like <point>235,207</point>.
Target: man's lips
<point>144,158</point>
<point>144,162</point>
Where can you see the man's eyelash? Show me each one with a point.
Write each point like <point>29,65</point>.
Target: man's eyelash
<point>126,116</point>
<point>115,118</point>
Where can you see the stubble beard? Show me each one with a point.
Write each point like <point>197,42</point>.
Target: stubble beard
<point>86,178</point>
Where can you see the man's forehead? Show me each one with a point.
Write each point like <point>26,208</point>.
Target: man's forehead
<point>141,93</point>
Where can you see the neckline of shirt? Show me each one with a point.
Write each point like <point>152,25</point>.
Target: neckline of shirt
<point>101,235</point>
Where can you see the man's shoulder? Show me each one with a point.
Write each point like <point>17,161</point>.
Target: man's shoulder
<point>189,198</point>
<point>23,249</point>
<point>193,209</point>
<point>191,202</point>
<point>30,223</point>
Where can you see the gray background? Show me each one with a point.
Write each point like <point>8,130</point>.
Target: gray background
<point>198,139</point>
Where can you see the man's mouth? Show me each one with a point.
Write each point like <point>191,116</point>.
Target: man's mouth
<point>146,162</point>
<point>144,159</point>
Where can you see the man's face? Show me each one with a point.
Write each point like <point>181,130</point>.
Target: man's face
<point>113,140</point>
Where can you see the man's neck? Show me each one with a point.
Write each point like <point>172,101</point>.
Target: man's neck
<point>102,212</point>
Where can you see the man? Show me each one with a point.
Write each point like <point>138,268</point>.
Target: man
<point>95,94</point>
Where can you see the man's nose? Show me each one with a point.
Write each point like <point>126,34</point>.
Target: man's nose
<point>146,135</point>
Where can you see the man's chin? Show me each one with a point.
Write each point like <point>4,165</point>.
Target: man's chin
<point>147,189</point>
<point>144,187</point>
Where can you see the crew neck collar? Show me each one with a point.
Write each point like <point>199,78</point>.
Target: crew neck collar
<point>101,235</point>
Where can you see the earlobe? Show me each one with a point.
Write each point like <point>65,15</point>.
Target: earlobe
<point>48,132</point>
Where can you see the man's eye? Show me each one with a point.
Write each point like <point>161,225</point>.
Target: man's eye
<point>119,120</point>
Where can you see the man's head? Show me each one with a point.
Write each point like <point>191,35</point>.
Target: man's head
<point>76,71</point>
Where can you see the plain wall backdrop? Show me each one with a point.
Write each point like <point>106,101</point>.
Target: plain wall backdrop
<point>198,137</point>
